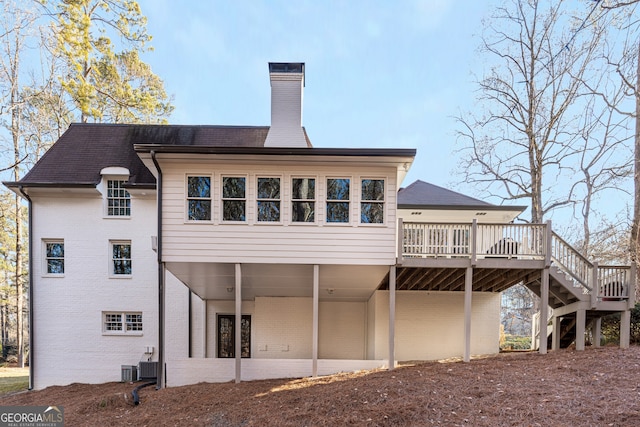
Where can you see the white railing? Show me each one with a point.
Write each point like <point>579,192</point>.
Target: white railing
<point>518,241</point>
<point>613,282</point>
<point>523,240</point>
<point>574,265</point>
<point>422,239</point>
<point>457,239</point>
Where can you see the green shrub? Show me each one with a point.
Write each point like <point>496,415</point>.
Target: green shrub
<point>611,327</point>
<point>515,342</point>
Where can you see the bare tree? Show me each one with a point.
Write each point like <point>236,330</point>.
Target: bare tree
<point>527,138</point>
<point>605,161</point>
<point>30,110</point>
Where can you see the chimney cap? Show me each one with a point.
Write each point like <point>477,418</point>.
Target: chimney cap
<point>286,67</point>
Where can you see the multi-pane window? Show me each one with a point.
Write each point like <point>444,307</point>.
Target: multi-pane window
<point>118,199</point>
<point>303,199</point>
<point>234,198</point>
<point>268,199</point>
<point>54,256</point>
<point>338,199</point>
<point>199,198</point>
<point>122,322</point>
<point>372,201</point>
<point>121,258</point>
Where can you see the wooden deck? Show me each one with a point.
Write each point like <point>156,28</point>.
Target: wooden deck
<point>436,256</point>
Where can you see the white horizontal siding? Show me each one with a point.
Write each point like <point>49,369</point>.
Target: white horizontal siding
<point>318,243</point>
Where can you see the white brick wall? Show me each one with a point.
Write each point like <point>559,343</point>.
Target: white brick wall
<point>69,343</point>
<point>283,328</point>
<point>429,325</point>
<point>342,330</point>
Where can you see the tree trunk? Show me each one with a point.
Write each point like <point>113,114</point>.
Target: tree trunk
<point>15,133</point>
<point>634,246</point>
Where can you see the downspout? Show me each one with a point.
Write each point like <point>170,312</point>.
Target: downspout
<point>161,371</point>
<point>190,322</point>
<point>30,244</point>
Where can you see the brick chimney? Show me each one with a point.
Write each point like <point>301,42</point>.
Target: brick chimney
<point>287,83</point>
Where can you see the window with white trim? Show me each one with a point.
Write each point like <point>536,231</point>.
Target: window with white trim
<point>199,198</point>
<point>54,256</point>
<point>121,263</point>
<point>268,199</point>
<point>234,199</point>
<point>372,201</point>
<point>118,199</point>
<point>122,323</point>
<point>303,199</point>
<point>338,196</point>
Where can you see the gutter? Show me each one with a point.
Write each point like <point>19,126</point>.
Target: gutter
<point>161,370</point>
<point>31,329</point>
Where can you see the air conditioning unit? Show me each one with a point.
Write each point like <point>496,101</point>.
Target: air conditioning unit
<point>148,370</point>
<point>128,373</point>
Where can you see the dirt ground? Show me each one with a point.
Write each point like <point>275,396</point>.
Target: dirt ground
<point>595,387</point>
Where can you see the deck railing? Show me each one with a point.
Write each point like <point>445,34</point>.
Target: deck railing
<point>480,240</point>
<point>516,241</point>
<point>613,283</point>
<point>574,265</point>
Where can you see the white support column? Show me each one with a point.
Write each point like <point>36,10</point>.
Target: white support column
<point>468,291</point>
<point>556,331</point>
<point>597,331</point>
<point>392,316</point>
<point>205,343</point>
<point>314,349</point>
<point>544,310</point>
<point>238,324</point>
<point>581,320</point>
<point>625,328</point>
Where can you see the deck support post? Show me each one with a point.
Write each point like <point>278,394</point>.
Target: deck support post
<point>625,328</point>
<point>544,310</point>
<point>314,344</point>
<point>238,324</point>
<point>556,331</point>
<point>468,291</point>
<point>392,316</point>
<point>581,320</point>
<point>596,331</point>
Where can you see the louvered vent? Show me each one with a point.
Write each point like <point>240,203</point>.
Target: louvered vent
<point>148,370</point>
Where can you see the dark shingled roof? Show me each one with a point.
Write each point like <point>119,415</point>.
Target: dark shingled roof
<point>86,148</point>
<point>421,194</point>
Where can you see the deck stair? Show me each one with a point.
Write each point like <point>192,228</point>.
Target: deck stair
<point>439,256</point>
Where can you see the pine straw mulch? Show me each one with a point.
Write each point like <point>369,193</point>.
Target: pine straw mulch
<point>595,387</point>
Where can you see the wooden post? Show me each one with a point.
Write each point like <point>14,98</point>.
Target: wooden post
<point>468,291</point>
<point>632,286</point>
<point>625,328</point>
<point>392,316</point>
<point>597,331</point>
<point>544,310</point>
<point>474,242</point>
<point>557,330</point>
<point>400,248</point>
<point>548,249</point>
<point>595,286</point>
<point>581,319</point>
<point>238,324</point>
<point>314,344</point>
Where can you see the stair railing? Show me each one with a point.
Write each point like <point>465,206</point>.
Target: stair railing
<point>572,263</point>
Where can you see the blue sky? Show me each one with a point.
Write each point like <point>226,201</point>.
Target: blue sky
<point>378,73</point>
